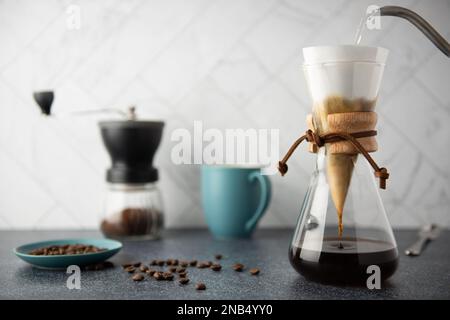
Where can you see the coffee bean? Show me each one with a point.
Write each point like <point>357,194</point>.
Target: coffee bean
<point>200,286</point>
<point>238,267</point>
<point>126,265</point>
<point>138,277</point>
<point>179,269</point>
<point>216,267</point>
<point>158,275</point>
<point>150,272</point>
<point>143,268</point>
<point>154,263</point>
<point>254,271</point>
<point>137,264</point>
<point>193,263</point>
<point>183,281</point>
<point>182,274</point>
<point>218,256</point>
<point>169,262</point>
<point>204,264</point>
<point>160,263</point>
<point>130,269</point>
<point>174,262</point>
<point>173,269</point>
<point>184,264</point>
<point>168,276</point>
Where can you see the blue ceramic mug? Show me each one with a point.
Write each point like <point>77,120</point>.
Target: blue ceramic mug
<point>234,198</point>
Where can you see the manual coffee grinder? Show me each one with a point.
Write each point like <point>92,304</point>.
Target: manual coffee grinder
<point>342,233</point>
<point>133,207</point>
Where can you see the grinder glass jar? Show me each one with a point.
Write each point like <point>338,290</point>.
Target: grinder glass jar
<point>132,211</point>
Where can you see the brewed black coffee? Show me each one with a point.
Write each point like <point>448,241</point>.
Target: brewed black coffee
<point>344,260</point>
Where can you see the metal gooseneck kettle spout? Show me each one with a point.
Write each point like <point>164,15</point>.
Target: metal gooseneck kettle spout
<point>420,23</point>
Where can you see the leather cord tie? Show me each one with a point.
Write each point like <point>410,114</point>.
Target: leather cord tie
<point>321,140</point>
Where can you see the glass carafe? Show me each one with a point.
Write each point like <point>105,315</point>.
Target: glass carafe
<point>342,228</point>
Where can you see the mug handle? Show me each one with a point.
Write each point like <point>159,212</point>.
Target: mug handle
<point>264,200</point>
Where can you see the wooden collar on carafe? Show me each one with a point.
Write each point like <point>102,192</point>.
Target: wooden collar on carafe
<point>348,133</point>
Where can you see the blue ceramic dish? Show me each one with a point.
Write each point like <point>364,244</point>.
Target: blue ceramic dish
<point>63,261</point>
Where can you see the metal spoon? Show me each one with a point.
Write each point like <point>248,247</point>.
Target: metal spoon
<point>426,234</point>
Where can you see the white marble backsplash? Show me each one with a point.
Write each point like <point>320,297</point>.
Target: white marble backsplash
<point>230,63</point>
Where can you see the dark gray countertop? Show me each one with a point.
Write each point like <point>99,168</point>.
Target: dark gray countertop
<point>424,277</point>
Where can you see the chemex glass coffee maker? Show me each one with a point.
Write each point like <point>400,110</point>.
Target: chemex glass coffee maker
<point>343,229</point>
<point>133,207</point>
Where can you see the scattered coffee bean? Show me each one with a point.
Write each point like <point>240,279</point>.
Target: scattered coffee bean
<point>204,264</point>
<point>126,265</point>
<point>183,281</point>
<point>173,269</point>
<point>184,264</point>
<point>238,267</point>
<point>65,249</point>
<point>150,272</point>
<point>168,276</point>
<point>143,268</point>
<point>130,269</point>
<point>182,274</point>
<point>193,263</point>
<point>137,264</point>
<point>180,269</point>
<point>175,262</point>
<point>254,271</point>
<point>158,275</point>
<point>138,277</point>
<point>218,256</point>
<point>154,263</point>
<point>160,263</point>
<point>200,286</point>
<point>216,267</point>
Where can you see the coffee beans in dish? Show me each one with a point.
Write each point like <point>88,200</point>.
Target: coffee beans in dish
<point>65,249</point>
